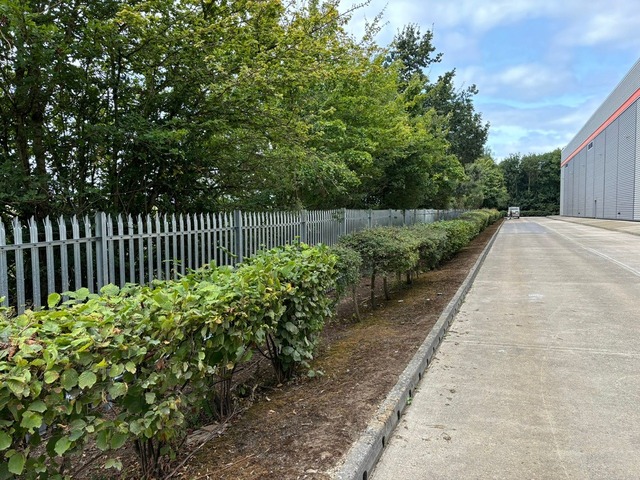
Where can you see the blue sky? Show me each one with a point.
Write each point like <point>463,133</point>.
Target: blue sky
<point>542,67</point>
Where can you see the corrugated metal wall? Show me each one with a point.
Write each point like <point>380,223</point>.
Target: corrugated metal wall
<point>636,210</point>
<point>610,170</point>
<point>569,184</point>
<point>598,176</point>
<point>581,180</point>
<point>601,174</point>
<point>588,203</point>
<point>563,197</point>
<point>626,163</point>
<point>624,90</point>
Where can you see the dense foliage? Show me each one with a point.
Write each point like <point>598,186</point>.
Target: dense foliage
<point>533,182</point>
<point>484,186</point>
<point>389,251</point>
<point>191,106</point>
<point>131,364</point>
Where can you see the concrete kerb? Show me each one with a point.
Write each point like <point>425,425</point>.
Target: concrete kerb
<point>365,453</point>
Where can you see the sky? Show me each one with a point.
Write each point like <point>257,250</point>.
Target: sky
<point>542,67</point>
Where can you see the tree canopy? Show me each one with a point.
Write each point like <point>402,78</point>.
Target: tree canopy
<point>533,181</point>
<point>188,105</point>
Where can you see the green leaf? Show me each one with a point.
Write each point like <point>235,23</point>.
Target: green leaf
<point>291,327</point>
<point>53,299</point>
<point>116,370</point>
<point>118,389</point>
<point>87,379</point>
<point>16,386</point>
<point>113,463</point>
<point>5,440</point>
<point>63,445</point>
<point>69,379</point>
<point>130,367</point>
<point>110,290</point>
<point>31,420</point>
<point>150,398</point>
<point>16,463</point>
<point>37,406</point>
<point>82,294</point>
<point>50,376</point>
<point>102,440</point>
<point>118,439</point>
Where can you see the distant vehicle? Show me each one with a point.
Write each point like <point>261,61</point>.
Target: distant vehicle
<point>514,212</point>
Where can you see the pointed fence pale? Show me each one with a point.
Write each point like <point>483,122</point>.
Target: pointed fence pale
<point>119,250</point>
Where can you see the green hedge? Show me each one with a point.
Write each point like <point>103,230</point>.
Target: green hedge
<point>134,364</point>
<point>131,364</point>
<point>399,250</point>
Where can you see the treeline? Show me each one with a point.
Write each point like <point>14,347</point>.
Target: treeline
<point>533,182</point>
<point>190,106</point>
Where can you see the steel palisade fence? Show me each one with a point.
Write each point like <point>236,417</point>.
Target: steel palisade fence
<point>72,253</point>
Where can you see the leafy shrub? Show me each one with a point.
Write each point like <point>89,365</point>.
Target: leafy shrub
<point>459,234</point>
<point>306,275</point>
<point>130,364</point>
<point>348,270</point>
<point>384,250</point>
<point>431,246</point>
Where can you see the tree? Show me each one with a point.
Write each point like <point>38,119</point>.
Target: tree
<point>533,181</point>
<point>170,105</point>
<point>485,185</point>
<point>467,133</point>
<point>413,51</point>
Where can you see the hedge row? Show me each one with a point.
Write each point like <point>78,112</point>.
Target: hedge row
<point>133,363</point>
<point>386,251</point>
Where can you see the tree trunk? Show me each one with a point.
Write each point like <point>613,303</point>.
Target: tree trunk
<point>373,288</point>
<point>354,296</point>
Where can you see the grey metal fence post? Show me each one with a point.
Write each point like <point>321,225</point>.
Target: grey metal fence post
<point>102,268</point>
<point>4,280</point>
<point>237,234</point>
<point>304,218</point>
<point>344,221</point>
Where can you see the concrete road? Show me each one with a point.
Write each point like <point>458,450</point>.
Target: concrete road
<point>539,375</point>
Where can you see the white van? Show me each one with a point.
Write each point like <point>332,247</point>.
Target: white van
<point>513,212</point>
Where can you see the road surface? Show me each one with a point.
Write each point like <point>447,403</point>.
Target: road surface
<point>539,375</point>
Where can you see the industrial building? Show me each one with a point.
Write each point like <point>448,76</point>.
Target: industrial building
<point>600,172</point>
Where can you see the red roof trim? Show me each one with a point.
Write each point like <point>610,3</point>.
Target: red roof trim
<point>608,122</point>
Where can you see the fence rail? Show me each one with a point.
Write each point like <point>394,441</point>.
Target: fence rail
<point>37,259</point>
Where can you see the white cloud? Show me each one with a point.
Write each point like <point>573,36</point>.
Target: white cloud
<point>483,16</point>
<point>529,81</point>
<point>611,26</point>
<point>542,66</point>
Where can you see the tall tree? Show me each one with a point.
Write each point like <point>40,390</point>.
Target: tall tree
<point>485,185</point>
<point>533,181</point>
<point>415,52</point>
<point>170,105</point>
